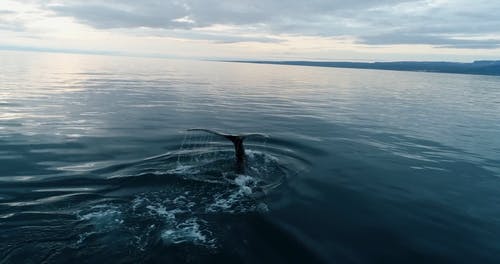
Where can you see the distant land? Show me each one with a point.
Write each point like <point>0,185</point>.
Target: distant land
<point>482,67</point>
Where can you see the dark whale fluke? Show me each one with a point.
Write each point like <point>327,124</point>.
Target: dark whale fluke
<point>239,149</point>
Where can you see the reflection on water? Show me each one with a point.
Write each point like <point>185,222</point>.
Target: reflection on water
<point>361,166</point>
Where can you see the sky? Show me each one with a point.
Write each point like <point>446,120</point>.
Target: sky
<point>336,30</point>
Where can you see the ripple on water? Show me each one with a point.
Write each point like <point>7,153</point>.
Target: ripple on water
<point>179,211</point>
<point>168,200</point>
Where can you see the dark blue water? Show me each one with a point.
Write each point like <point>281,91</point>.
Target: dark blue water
<point>358,166</point>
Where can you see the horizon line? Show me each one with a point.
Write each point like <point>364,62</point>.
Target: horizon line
<point>169,56</point>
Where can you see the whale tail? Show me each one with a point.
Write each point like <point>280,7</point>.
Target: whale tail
<point>239,149</point>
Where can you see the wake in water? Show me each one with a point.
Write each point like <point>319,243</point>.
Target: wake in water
<point>177,193</point>
<point>185,198</point>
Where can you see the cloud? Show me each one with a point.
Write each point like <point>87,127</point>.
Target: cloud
<point>213,35</point>
<point>163,14</point>
<point>372,22</point>
<point>9,22</point>
<point>427,39</point>
<point>438,23</point>
<point>6,12</point>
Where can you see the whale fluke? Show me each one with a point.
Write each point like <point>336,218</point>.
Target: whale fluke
<point>239,149</point>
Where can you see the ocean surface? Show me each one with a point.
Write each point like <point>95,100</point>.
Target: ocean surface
<point>356,166</point>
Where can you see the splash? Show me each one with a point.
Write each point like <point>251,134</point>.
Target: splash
<point>191,185</point>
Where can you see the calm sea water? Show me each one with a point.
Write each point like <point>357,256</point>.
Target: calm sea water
<point>359,166</point>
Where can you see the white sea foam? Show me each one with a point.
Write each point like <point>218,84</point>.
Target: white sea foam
<point>188,231</point>
<point>176,213</point>
<point>243,182</point>
<point>236,200</point>
<point>103,217</point>
<point>161,210</point>
<point>175,217</point>
<point>84,236</point>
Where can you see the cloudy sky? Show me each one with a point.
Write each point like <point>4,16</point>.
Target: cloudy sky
<point>366,30</point>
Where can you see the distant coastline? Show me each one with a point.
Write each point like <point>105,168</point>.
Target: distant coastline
<point>482,67</point>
